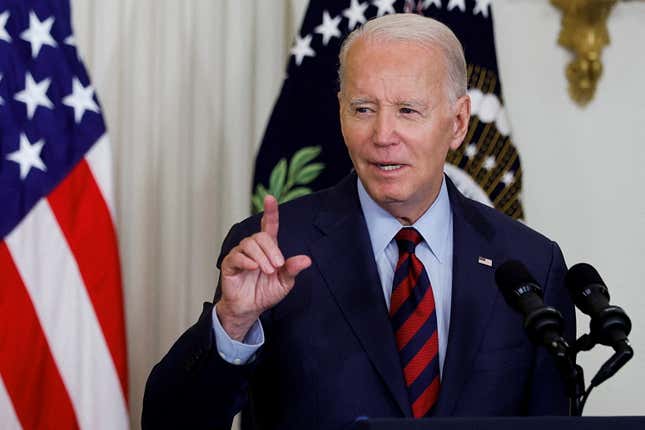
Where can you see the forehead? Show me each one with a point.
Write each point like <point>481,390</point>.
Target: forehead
<point>404,66</point>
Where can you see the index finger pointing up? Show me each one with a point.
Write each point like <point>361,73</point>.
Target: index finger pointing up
<point>270,219</point>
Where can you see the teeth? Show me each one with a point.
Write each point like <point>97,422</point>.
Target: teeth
<point>389,167</point>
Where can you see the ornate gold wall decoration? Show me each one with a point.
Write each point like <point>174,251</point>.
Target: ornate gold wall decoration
<point>584,31</point>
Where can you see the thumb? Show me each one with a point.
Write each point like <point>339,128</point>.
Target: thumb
<point>293,266</point>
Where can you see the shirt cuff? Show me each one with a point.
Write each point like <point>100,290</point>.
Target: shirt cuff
<point>235,352</point>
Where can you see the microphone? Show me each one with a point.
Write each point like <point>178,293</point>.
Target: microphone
<point>544,324</point>
<point>610,325</point>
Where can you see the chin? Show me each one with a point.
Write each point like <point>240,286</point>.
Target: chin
<point>390,198</point>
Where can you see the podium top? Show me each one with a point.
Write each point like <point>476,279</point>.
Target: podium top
<point>507,423</point>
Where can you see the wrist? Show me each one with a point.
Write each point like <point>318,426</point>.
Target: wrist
<point>235,324</point>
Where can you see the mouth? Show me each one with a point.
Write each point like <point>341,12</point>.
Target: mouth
<point>388,167</point>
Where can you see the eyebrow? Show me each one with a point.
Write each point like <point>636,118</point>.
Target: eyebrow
<point>417,104</point>
<point>361,101</point>
<point>413,104</point>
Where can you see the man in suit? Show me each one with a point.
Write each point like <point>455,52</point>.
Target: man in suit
<point>375,297</point>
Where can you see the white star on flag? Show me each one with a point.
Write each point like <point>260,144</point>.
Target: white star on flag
<point>471,150</point>
<point>489,163</point>
<point>384,6</point>
<point>34,95</point>
<point>355,13</point>
<point>4,16</point>
<point>428,3</point>
<point>328,28</point>
<point>70,40</point>
<point>38,33</point>
<point>508,178</point>
<point>302,48</point>
<point>482,7</point>
<point>28,156</point>
<point>81,99</point>
<point>461,4</point>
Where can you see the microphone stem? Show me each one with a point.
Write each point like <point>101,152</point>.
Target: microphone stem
<point>572,373</point>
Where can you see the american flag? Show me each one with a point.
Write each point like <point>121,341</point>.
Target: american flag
<point>62,331</point>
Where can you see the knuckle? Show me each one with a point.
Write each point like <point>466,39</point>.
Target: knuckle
<point>263,237</point>
<point>226,261</point>
<point>231,254</point>
<point>246,243</point>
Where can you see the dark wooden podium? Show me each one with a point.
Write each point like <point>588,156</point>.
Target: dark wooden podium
<point>510,423</point>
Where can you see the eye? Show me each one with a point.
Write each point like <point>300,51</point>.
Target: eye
<point>407,111</point>
<point>362,110</point>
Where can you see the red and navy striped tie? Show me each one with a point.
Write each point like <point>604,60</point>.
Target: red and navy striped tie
<point>412,312</point>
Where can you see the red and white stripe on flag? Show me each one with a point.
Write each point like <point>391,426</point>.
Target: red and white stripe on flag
<point>63,360</point>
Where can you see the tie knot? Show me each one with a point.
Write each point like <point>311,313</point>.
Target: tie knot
<point>407,239</point>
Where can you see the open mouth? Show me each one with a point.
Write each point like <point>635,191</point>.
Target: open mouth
<point>389,167</point>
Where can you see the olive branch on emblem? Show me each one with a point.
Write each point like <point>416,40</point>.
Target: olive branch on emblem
<point>287,181</point>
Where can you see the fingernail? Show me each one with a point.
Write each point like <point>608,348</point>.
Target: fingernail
<point>279,260</point>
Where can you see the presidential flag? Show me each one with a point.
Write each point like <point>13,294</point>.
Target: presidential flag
<point>62,331</point>
<point>302,149</point>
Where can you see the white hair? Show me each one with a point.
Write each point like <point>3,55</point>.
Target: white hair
<point>427,32</point>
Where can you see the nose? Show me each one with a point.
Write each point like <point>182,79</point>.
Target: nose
<point>385,129</point>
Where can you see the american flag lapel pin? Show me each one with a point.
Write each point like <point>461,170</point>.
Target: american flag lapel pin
<point>485,261</point>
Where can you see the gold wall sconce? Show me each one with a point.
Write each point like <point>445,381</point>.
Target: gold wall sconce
<point>584,31</point>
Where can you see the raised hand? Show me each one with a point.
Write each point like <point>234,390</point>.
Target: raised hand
<point>255,275</point>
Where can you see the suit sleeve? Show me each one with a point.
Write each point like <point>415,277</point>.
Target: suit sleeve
<point>192,386</point>
<point>547,389</point>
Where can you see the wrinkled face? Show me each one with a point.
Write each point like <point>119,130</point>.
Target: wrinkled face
<point>398,122</point>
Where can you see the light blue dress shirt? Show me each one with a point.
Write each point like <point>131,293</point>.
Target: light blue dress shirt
<point>435,252</point>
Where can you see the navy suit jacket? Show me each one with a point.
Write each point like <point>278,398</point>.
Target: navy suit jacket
<point>330,354</point>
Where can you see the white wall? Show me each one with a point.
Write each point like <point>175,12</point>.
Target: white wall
<point>584,168</point>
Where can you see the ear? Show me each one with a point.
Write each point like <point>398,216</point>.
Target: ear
<point>460,121</point>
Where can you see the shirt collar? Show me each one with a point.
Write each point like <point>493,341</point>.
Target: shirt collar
<point>432,225</point>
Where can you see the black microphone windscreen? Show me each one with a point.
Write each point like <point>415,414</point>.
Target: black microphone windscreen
<point>511,274</point>
<point>580,276</point>
<point>523,294</point>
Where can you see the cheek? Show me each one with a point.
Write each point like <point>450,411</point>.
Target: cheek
<point>436,143</point>
<point>355,134</point>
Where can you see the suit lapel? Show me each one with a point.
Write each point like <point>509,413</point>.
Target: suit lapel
<point>345,259</point>
<point>473,296</point>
